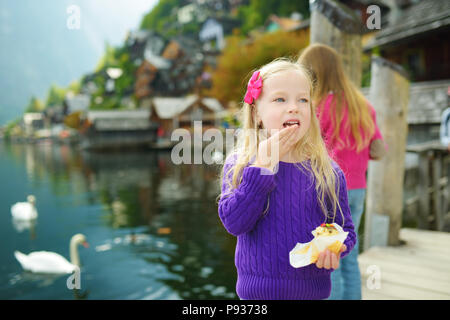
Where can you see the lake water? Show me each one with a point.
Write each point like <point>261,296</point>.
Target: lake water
<point>152,226</point>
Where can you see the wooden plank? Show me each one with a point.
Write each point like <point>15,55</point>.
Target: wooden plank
<point>425,146</point>
<point>405,258</point>
<point>424,235</point>
<point>435,254</point>
<point>422,281</point>
<point>435,241</point>
<point>394,285</point>
<point>410,270</point>
<point>425,239</point>
<point>402,291</point>
<point>368,294</point>
<point>438,249</point>
<point>429,246</point>
<point>417,270</point>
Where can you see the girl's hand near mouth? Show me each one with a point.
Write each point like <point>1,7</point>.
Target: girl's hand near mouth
<point>282,140</point>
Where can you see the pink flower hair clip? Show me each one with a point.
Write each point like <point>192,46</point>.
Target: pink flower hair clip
<point>254,88</point>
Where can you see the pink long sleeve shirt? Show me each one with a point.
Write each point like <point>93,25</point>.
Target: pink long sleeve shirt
<point>353,164</point>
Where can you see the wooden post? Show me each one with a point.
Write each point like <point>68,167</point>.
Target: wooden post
<point>437,194</point>
<point>433,184</point>
<point>440,185</point>
<point>423,190</point>
<point>389,94</point>
<point>446,183</point>
<point>337,26</point>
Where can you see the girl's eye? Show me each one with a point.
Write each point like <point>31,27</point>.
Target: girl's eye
<point>304,100</point>
<point>279,100</point>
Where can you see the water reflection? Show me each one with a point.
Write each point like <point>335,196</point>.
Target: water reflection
<point>42,280</point>
<point>163,214</point>
<point>21,225</point>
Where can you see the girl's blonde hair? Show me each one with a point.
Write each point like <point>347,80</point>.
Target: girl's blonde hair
<point>325,65</point>
<point>310,145</point>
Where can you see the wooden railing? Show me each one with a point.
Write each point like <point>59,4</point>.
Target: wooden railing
<point>432,189</point>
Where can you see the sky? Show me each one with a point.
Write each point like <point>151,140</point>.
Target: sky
<point>38,48</point>
<point>111,19</point>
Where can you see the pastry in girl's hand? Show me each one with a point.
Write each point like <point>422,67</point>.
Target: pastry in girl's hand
<point>325,230</point>
<point>326,236</point>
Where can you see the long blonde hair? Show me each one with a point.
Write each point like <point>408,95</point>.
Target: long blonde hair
<point>327,70</point>
<point>310,145</point>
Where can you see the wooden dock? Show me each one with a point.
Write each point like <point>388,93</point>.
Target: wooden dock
<point>417,270</point>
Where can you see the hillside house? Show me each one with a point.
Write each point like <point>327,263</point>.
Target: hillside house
<point>181,112</point>
<point>118,129</point>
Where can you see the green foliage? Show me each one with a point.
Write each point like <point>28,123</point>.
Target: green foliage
<point>256,12</point>
<point>191,28</point>
<point>366,70</point>
<point>109,59</point>
<point>232,120</point>
<point>367,65</point>
<point>126,80</point>
<point>250,19</point>
<point>10,127</point>
<point>161,16</point>
<point>240,58</point>
<point>55,95</point>
<point>35,105</point>
<point>74,87</point>
<point>107,103</point>
<point>113,58</point>
<point>376,51</point>
<point>163,19</point>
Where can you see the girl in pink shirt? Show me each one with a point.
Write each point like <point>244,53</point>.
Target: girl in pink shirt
<point>349,128</point>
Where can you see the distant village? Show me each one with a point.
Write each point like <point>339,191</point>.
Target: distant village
<point>170,77</point>
<point>166,94</point>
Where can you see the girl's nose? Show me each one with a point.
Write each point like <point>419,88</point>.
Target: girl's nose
<point>293,109</point>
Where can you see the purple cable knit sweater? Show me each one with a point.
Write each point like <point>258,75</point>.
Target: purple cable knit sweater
<point>264,242</point>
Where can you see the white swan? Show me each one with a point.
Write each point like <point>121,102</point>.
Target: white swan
<point>25,210</point>
<point>51,262</point>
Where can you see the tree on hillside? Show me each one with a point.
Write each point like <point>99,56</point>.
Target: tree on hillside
<point>74,86</point>
<point>161,16</point>
<point>35,105</point>
<point>55,96</point>
<point>114,57</point>
<point>109,58</point>
<point>239,59</point>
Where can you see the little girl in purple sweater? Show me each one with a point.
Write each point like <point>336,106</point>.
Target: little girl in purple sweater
<point>278,185</point>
